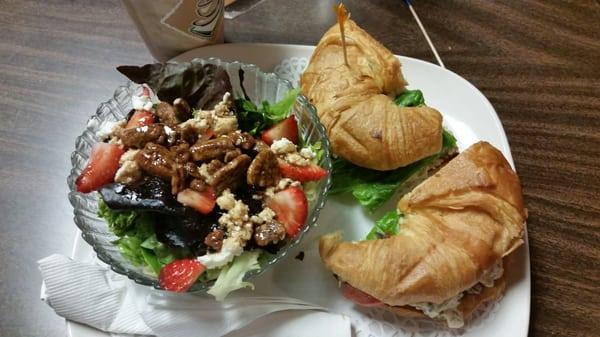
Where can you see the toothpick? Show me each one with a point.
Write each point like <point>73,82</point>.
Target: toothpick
<point>342,15</point>
<point>414,13</point>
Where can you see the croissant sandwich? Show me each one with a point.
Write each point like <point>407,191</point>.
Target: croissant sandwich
<point>456,231</point>
<point>355,103</point>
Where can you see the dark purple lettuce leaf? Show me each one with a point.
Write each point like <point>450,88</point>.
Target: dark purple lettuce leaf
<point>202,86</point>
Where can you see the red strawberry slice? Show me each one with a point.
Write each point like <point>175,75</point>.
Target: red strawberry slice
<point>180,275</point>
<point>359,297</point>
<point>291,208</point>
<point>284,129</point>
<point>302,173</point>
<point>101,167</point>
<point>140,118</point>
<point>204,202</point>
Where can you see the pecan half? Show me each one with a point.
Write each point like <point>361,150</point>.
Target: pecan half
<point>211,149</point>
<point>182,109</point>
<point>138,137</point>
<point>198,185</point>
<point>181,152</point>
<point>166,114</point>
<point>264,170</point>
<point>243,140</point>
<point>231,176</point>
<point>156,160</point>
<point>214,239</point>
<point>269,233</point>
<point>261,146</point>
<point>229,156</point>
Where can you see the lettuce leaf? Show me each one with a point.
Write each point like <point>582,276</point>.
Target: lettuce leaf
<point>231,276</point>
<point>137,239</point>
<point>410,98</point>
<point>373,188</point>
<point>388,225</point>
<point>254,119</point>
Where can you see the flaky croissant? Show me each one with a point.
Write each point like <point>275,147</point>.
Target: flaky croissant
<point>456,225</point>
<point>355,103</point>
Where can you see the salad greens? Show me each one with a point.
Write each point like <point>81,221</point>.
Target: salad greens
<point>231,276</point>
<point>388,225</point>
<point>373,188</point>
<point>137,241</point>
<point>410,98</point>
<point>254,119</point>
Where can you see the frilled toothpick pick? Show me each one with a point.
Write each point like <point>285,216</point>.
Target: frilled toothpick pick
<point>414,13</point>
<point>342,16</point>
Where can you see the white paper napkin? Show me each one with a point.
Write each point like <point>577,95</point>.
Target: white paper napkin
<point>91,294</point>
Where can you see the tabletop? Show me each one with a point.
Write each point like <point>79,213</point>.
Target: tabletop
<point>538,62</point>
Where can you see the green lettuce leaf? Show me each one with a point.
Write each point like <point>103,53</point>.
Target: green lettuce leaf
<point>118,222</point>
<point>231,276</point>
<point>410,98</point>
<point>388,225</point>
<point>373,188</point>
<point>254,119</point>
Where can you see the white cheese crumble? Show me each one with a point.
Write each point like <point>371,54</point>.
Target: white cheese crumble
<point>225,125</point>
<point>141,103</point>
<point>296,159</point>
<point>229,250</point>
<point>283,146</point>
<point>128,173</point>
<point>226,201</point>
<point>110,129</point>
<point>285,182</point>
<point>129,155</point>
<point>265,216</point>
<point>222,108</point>
<point>307,153</point>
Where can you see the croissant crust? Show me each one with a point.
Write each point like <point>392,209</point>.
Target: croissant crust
<point>355,103</point>
<point>456,225</point>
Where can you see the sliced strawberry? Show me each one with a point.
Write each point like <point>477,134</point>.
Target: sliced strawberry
<point>302,173</point>
<point>101,167</point>
<point>140,118</point>
<point>203,202</point>
<point>285,129</point>
<point>359,297</point>
<point>291,208</point>
<point>180,275</point>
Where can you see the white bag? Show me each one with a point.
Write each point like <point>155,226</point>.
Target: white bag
<point>171,27</point>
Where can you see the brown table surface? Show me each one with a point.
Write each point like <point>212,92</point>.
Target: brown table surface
<point>538,62</point>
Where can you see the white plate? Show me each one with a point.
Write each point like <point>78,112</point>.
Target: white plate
<point>469,115</point>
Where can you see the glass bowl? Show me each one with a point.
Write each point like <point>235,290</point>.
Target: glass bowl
<point>259,86</point>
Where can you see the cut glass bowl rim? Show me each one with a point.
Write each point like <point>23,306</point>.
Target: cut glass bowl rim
<point>114,103</point>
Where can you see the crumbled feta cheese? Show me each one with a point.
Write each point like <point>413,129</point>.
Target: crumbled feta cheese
<point>141,103</point>
<point>264,216</point>
<point>222,108</point>
<point>296,159</point>
<point>307,153</point>
<point>168,130</point>
<point>128,173</point>
<point>234,216</point>
<point>199,125</point>
<point>285,182</point>
<point>110,129</point>
<point>282,146</point>
<point>231,248</point>
<point>203,170</point>
<point>129,155</point>
<point>270,192</point>
<point>226,201</point>
<point>224,125</point>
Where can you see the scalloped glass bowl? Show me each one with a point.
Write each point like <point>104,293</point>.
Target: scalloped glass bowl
<point>259,86</point>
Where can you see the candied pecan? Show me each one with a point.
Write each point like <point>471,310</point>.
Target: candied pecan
<point>178,179</point>
<point>243,140</point>
<point>214,239</point>
<point>213,166</point>
<point>269,233</point>
<point>156,160</point>
<point>230,176</point>
<point>182,109</point>
<point>138,137</point>
<point>264,170</point>
<point>211,149</point>
<point>260,146</point>
<point>166,114</point>
<point>230,155</point>
<point>187,133</point>
<point>198,185</point>
<point>192,170</point>
<point>181,152</point>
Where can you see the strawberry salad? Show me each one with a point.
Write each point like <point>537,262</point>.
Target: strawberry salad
<point>197,185</point>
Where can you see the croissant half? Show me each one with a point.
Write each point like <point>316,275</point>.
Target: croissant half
<point>355,103</point>
<point>457,226</point>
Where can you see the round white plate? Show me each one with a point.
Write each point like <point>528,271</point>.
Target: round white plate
<point>470,117</point>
